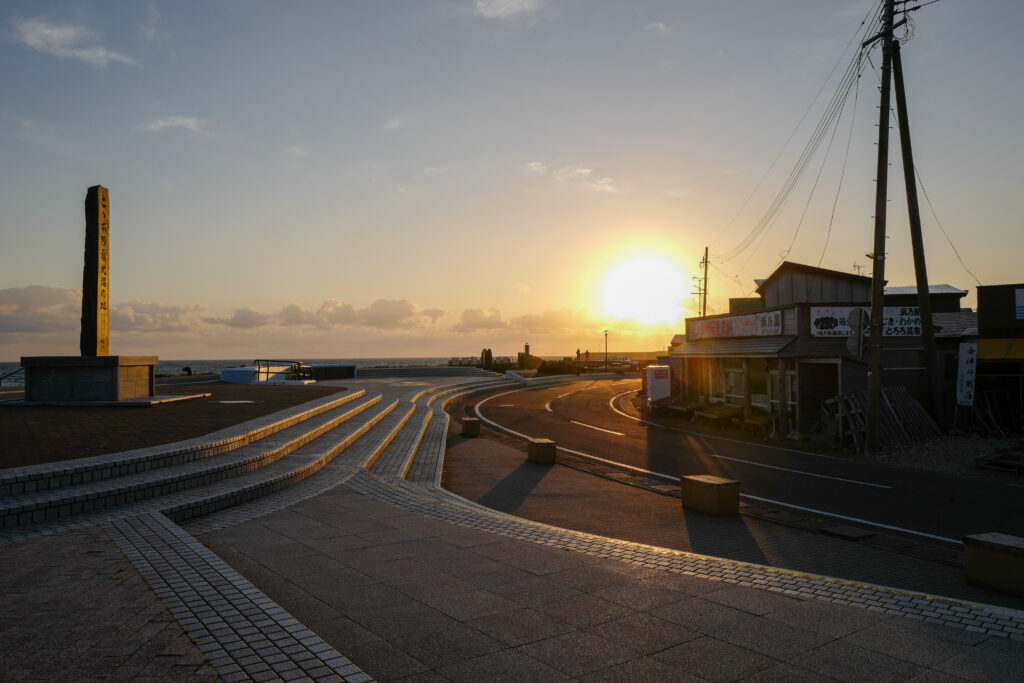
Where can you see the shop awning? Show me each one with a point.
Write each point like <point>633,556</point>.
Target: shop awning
<point>1001,349</point>
<point>733,348</point>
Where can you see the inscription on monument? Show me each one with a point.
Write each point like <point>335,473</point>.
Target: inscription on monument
<point>95,339</point>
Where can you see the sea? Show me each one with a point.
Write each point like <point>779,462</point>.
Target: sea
<point>175,368</point>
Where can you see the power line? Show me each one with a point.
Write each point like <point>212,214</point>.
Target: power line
<point>842,174</point>
<point>792,134</point>
<point>939,223</point>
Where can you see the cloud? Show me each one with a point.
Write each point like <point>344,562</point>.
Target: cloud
<point>433,313</point>
<point>553,321</point>
<point>297,155</point>
<point>334,312</point>
<point>191,123</point>
<point>243,319</point>
<point>579,177</point>
<point>476,319</point>
<point>659,28</point>
<point>394,123</point>
<point>387,313</point>
<point>148,28</point>
<point>38,308</point>
<point>140,316</point>
<point>505,9</point>
<point>294,314</point>
<point>66,40</point>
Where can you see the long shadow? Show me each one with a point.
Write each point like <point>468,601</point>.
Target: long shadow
<point>510,493</point>
<point>728,537</point>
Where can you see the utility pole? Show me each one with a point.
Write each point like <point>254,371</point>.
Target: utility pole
<point>704,289</point>
<point>924,300</point>
<point>878,256</point>
<point>606,350</point>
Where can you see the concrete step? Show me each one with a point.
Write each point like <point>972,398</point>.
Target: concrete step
<point>394,460</point>
<point>67,501</point>
<point>20,480</point>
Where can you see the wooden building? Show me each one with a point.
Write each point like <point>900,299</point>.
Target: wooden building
<point>799,348</point>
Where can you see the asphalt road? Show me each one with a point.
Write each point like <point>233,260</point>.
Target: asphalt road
<point>596,418</point>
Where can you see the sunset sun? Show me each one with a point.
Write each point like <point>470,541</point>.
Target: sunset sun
<point>647,289</point>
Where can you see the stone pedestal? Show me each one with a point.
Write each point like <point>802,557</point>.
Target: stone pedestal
<point>471,426</point>
<point>711,495</point>
<point>541,451</point>
<point>80,379</point>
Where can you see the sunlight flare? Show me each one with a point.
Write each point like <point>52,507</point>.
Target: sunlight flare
<point>647,289</point>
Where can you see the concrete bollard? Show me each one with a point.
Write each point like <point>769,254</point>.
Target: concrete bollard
<point>471,426</point>
<point>995,560</point>
<point>541,451</point>
<point>711,495</point>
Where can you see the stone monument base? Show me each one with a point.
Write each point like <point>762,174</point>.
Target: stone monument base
<point>78,379</point>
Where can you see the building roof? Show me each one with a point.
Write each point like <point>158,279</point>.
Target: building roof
<point>932,289</point>
<point>957,324</point>
<point>677,340</point>
<point>733,347</point>
<point>790,265</point>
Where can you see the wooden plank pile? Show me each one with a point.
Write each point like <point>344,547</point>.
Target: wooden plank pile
<point>902,420</point>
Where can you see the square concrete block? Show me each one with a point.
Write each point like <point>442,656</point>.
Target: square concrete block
<point>471,426</point>
<point>995,560</point>
<point>711,495</point>
<point>541,451</point>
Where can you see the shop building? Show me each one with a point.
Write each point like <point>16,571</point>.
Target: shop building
<point>800,346</point>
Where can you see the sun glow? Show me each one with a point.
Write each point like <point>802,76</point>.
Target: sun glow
<point>647,289</point>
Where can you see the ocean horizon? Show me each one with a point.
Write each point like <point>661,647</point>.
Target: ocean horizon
<point>175,368</point>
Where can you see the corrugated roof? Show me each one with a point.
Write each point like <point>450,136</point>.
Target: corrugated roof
<point>733,348</point>
<point>954,324</point>
<point>932,289</point>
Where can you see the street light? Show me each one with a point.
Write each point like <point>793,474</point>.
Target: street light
<point>606,350</point>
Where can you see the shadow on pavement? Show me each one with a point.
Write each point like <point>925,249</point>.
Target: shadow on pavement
<point>509,493</point>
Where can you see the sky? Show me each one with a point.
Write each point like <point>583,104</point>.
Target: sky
<point>433,177</point>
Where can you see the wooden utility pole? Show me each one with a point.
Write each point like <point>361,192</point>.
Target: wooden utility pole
<point>878,256</point>
<point>924,301</point>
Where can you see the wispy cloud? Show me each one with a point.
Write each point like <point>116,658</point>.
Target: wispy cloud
<point>504,9</point>
<point>297,156</point>
<point>476,319</point>
<point>148,27</point>
<point>67,40</point>
<point>580,177</point>
<point>190,123</point>
<point>659,28</point>
<point>394,123</point>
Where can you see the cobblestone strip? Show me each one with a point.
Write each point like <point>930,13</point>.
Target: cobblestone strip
<point>282,475</point>
<point>429,457</point>
<point>244,634</point>
<point>997,621</point>
<point>393,461</point>
<point>73,500</point>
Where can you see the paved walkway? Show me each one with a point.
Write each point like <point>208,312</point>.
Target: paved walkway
<point>350,575</point>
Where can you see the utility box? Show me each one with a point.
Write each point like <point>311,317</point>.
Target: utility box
<point>658,382</point>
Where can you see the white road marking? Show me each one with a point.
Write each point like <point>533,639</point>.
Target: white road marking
<point>507,405</point>
<point>606,431</point>
<point>547,407</point>
<point>808,474</point>
<point>675,480</point>
<point>854,519</point>
<point>747,462</point>
<point>611,405</point>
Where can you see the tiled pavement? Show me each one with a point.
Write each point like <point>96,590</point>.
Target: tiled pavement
<point>410,581</point>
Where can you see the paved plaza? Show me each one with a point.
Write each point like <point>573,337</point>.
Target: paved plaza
<point>369,569</point>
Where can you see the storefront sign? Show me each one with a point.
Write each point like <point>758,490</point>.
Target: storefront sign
<point>966,372</point>
<point>763,324</point>
<point>834,321</point>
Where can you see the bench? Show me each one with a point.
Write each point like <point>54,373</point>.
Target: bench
<point>541,451</point>
<point>995,560</point>
<point>709,494</point>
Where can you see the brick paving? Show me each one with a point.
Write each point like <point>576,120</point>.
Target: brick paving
<point>408,580</point>
<point>73,603</point>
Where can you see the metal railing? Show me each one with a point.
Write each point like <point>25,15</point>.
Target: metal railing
<point>11,373</point>
<point>297,370</point>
